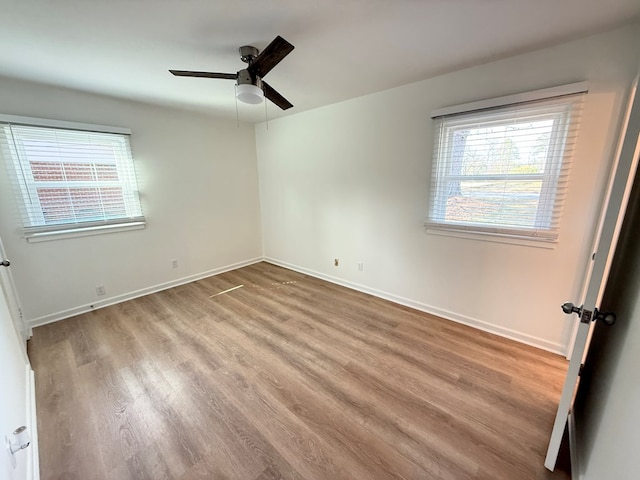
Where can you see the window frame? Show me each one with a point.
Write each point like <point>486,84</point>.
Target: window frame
<point>499,112</point>
<point>35,226</point>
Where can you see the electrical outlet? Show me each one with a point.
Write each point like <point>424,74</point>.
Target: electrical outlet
<point>360,266</point>
<point>100,290</point>
<point>336,262</point>
<point>174,263</point>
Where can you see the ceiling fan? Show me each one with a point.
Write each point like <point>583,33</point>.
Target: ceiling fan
<point>250,88</point>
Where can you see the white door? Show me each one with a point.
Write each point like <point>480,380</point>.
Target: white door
<point>610,223</point>
<point>16,398</point>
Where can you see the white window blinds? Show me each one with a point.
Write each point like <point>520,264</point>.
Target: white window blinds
<point>67,179</point>
<point>504,170</point>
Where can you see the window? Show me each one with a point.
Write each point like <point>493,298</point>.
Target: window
<point>71,180</point>
<point>503,170</point>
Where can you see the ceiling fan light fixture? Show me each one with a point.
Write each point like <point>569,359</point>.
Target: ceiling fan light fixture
<point>248,93</point>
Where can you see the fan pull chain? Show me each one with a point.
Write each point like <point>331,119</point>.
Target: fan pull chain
<point>266,118</point>
<point>235,87</point>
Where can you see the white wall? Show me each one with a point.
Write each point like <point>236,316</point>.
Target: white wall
<point>199,194</point>
<point>349,181</point>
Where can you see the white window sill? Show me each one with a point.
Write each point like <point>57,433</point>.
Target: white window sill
<point>491,237</point>
<point>83,232</point>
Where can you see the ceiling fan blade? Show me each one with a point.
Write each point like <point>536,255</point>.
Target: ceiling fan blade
<point>270,56</point>
<point>275,97</point>
<point>189,73</point>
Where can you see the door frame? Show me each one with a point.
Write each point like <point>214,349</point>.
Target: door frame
<point>13,301</point>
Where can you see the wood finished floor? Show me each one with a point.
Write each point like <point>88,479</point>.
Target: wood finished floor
<point>288,377</point>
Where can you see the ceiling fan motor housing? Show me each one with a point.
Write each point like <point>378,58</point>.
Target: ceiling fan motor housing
<point>245,78</point>
<point>248,54</point>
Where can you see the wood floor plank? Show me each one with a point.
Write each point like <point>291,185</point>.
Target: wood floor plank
<point>311,370</point>
<point>263,373</point>
<point>239,444</point>
<point>318,411</point>
<point>149,464</point>
<point>62,417</point>
<point>111,411</point>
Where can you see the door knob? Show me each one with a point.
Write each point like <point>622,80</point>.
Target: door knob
<point>608,318</point>
<point>570,308</point>
<point>586,316</point>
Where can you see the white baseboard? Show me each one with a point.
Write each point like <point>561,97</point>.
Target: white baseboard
<point>453,316</point>
<point>33,457</point>
<point>71,312</point>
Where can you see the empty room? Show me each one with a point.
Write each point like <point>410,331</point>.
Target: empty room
<point>336,240</point>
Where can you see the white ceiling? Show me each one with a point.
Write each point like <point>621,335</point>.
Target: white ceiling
<point>344,48</point>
